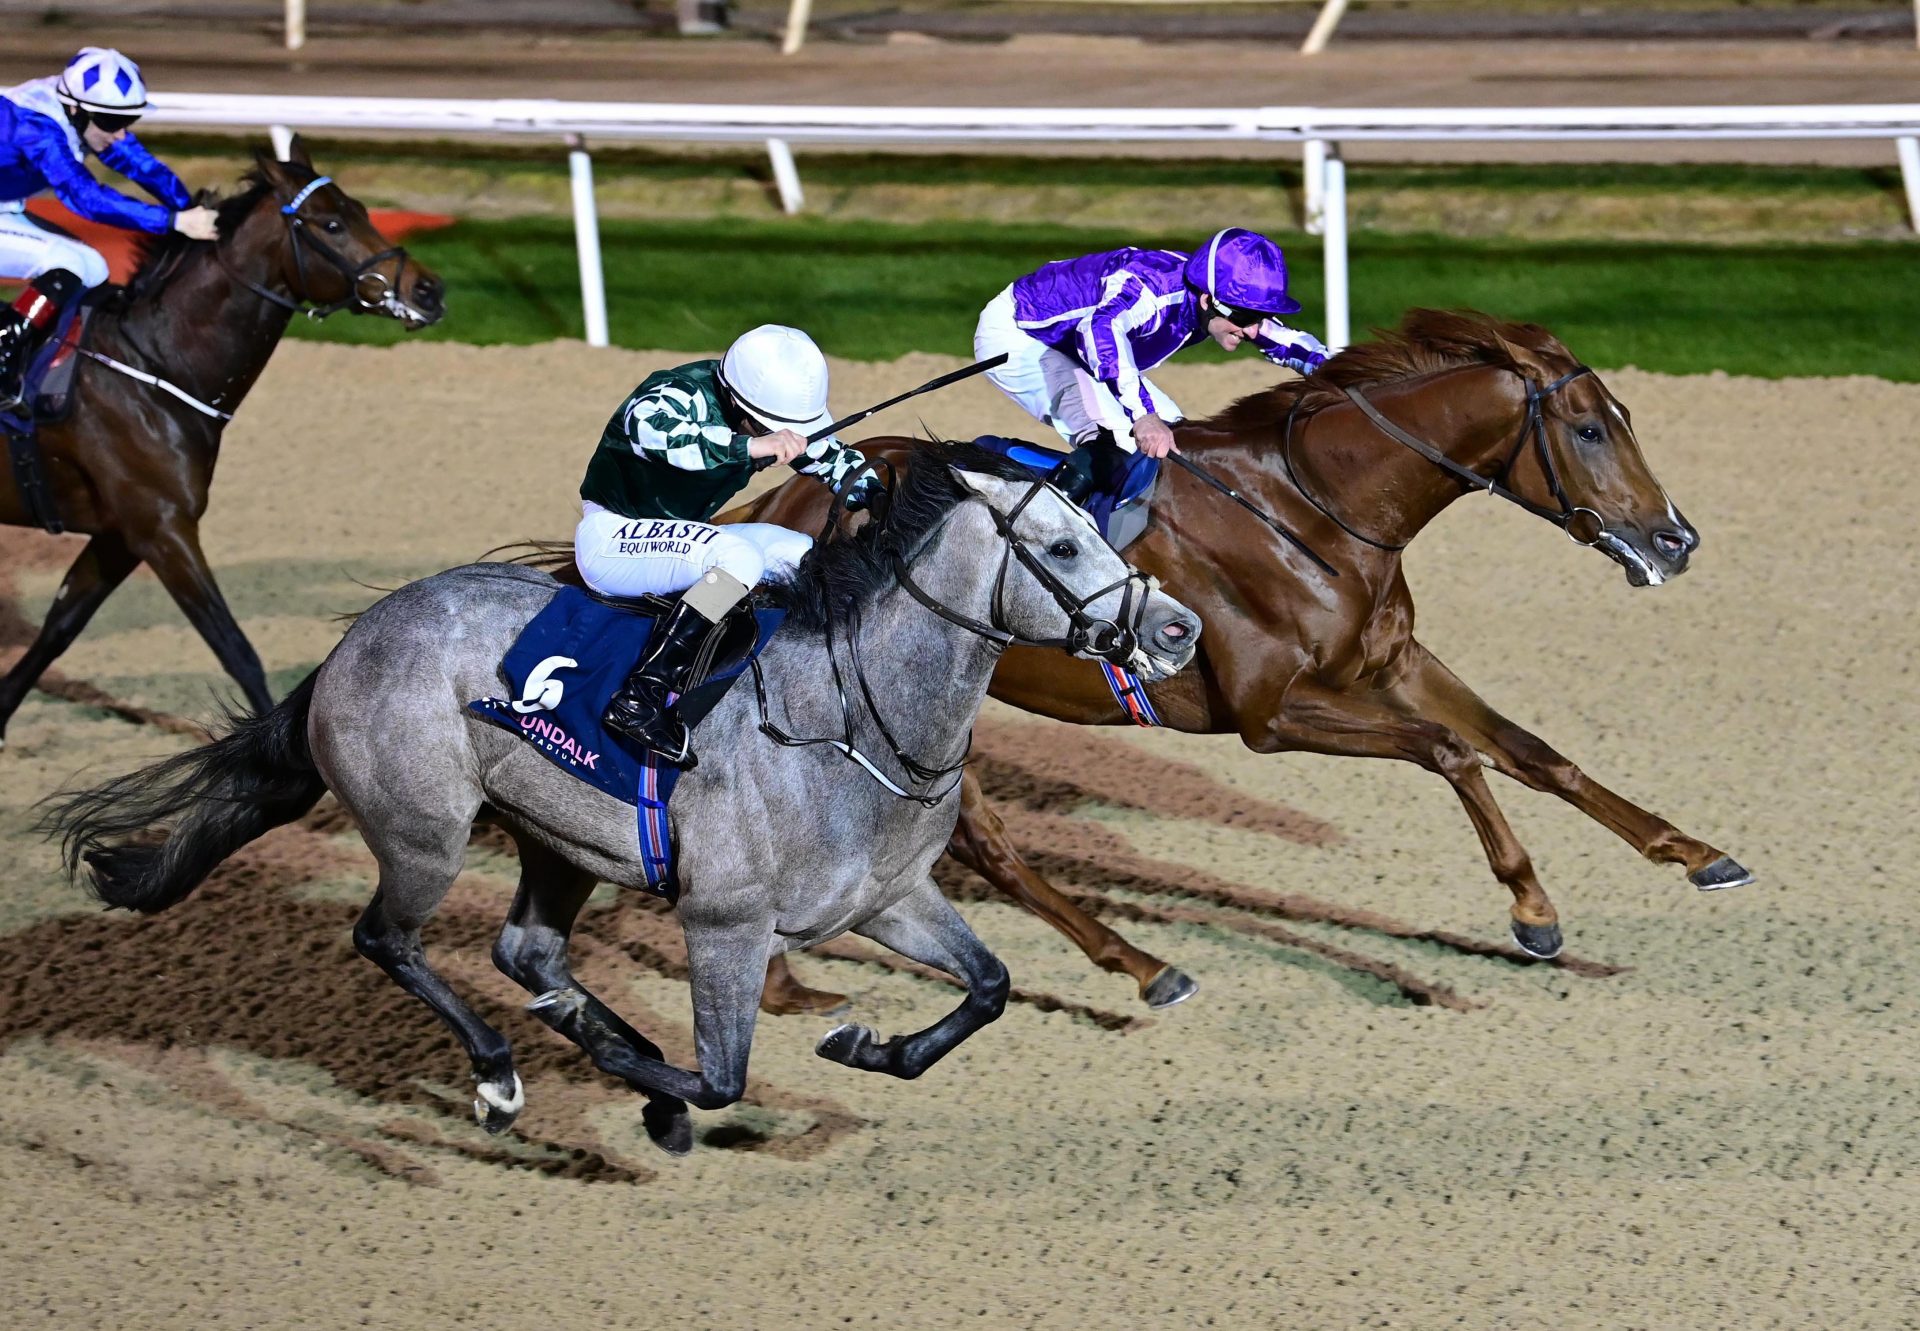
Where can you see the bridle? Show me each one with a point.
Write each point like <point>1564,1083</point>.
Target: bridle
<point>1533,426</point>
<point>1115,640</point>
<point>301,238</point>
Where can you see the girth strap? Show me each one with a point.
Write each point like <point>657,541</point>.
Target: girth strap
<point>29,479</point>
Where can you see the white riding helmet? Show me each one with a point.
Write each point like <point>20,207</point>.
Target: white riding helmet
<point>101,79</point>
<point>778,375</point>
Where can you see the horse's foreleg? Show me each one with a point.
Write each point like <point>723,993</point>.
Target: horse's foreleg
<point>532,951</point>
<point>174,552</point>
<point>980,842</point>
<point>925,926</point>
<point>101,567</point>
<point>1321,720</point>
<point>1435,692</point>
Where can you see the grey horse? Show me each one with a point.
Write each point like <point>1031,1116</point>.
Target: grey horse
<point>783,842</point>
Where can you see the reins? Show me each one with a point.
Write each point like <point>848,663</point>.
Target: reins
<point>1533,426</point>
<point>1115,639</point>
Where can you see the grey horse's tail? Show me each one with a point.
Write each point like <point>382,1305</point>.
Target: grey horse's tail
<point>257,776</point>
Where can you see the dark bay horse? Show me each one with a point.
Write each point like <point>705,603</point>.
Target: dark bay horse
<point>131,465</point>
<point>1293,659</point>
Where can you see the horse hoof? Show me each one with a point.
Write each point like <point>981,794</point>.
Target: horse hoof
<point>496,1106</point>
<point>669,1126</point>
<point>1541,941</point>
<point>1170,986</point>
<point>1723,872</point>
<point>844,1043</point>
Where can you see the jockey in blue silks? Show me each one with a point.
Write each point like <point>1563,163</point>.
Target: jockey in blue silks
<point>1080,335</point>
<point>47,128</point>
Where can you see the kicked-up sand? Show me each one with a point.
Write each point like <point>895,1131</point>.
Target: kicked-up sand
<point>1371,1115</point>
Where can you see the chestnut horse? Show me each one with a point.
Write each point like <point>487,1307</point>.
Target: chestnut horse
<point>131,464</point>
<point>1357,460</point>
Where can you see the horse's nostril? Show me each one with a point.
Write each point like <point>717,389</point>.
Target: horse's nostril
<point>427,294</point>
<point>1672,544</point>
<point>1177,630</point>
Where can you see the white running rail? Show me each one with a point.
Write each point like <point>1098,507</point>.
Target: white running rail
<point>780,127</point>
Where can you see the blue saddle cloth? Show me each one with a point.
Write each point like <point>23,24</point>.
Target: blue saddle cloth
<point>563,670</point>
<point>1136,478</point>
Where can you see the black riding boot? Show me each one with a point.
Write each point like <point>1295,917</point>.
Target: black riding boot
<point>640,710</point>
<point>25,324</point>
<point>1094,467</point>
<point>16,347</point>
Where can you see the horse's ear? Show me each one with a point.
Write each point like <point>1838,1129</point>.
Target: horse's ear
<point>297,152</point>
<point>270,166</point>
<point>978,482</point>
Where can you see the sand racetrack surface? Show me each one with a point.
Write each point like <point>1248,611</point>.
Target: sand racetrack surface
<point>1372,1115</point>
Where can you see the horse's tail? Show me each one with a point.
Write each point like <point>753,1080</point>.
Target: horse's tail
<point>257,776</point>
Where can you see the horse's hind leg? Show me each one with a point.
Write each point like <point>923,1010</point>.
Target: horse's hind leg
<point>532,950</point>
<point>925,927</point>
<point>101,567</point>
<point>980,842</point>
<point>412,882</point>
<point>1435,692</point>
<point>784,995</point>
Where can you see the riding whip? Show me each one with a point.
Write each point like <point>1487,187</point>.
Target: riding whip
<point>965,372</point>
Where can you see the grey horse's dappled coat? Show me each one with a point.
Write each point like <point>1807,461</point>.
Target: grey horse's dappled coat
<point>778,847</point>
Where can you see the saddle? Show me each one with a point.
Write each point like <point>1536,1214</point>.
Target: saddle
<point>1122,501</point>
<point>565,667</point>
<point>46,399</point>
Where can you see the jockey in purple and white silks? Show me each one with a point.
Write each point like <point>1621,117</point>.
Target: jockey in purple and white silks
<point>47,128</point>
<point>1081,334</point>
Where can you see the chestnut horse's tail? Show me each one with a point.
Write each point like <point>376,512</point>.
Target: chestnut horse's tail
<point>257,776</point>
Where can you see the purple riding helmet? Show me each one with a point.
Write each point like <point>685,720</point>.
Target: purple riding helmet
<point>1244,273</point>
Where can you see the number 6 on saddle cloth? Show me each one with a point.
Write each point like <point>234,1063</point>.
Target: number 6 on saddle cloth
<point>565,667</point>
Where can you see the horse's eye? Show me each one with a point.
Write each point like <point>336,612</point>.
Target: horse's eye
<point>1588,434</point>
<point>1063,550</point>
<point>334,226</point>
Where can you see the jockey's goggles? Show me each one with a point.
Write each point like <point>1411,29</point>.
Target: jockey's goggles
<point>1238,318</point>
<point>111,122</point>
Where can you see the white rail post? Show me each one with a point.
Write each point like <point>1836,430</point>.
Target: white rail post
<point>799,11</point>
<point>296,24</point>
<point>1334,247</point>
<point>1322,30</point>
<point>282,136</point>
<point>586,238</point>
<point>1313,179</point>
<point>1909,150</point>
<point>786,176</point>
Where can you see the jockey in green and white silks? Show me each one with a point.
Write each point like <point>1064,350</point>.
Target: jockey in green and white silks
<point>47,129</point>
<point>682,445</point>
<point>1081,334</point>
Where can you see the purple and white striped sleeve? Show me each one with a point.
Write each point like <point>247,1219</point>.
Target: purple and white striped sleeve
<point>1106,345</point>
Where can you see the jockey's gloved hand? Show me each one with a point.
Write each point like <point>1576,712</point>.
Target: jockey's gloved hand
<point>1300,352</point>
<point>860,491</point>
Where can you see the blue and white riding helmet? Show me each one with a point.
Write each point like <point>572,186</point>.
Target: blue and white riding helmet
<point>1244,273</point>
<point>102,82</point>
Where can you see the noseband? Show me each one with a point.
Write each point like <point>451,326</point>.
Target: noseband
<point>1533,426</point>
<point>301,237</point>
<point>1115,640</point>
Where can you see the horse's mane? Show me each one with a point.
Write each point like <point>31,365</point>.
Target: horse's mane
<point>159,258</point>
<point>851,569</point>
<point>1425,342</point>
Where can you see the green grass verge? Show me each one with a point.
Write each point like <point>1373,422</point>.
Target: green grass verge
<point>871,291</point>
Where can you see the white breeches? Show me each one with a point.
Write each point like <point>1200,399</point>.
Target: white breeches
<point>1051,386</point>
<point>27,250</point>
<point>664,556</point>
